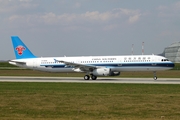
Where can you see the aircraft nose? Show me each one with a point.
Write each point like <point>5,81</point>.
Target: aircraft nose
<point>172,65</point>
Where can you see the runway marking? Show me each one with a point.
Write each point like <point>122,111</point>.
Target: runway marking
<point>99,80</point>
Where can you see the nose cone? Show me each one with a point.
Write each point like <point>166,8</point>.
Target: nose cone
<point>172,65</point>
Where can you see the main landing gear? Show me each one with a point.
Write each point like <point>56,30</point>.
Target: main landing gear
<point>155,77</point>
<point>87,77</point>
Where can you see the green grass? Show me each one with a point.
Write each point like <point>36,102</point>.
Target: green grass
<point>6,64</point>
<point>89,101</point>
<point>177,66</point>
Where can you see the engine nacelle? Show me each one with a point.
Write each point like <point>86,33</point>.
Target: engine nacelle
<point>114,73</point>
<point>101,72</point>
<point>105,72</point>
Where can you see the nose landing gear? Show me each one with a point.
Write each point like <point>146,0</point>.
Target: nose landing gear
<point>155,77</point>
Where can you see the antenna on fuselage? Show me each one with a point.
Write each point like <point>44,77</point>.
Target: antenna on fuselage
<point>132,49</point>
<point>142,48</point>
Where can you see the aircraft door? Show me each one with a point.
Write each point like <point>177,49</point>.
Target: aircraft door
<point>77,61</point>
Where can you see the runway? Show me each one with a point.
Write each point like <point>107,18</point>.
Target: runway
<point>99,80</point>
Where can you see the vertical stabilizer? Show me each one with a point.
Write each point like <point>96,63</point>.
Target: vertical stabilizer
<point>20,49</point>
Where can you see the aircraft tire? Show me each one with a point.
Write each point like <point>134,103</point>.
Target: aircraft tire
<point>93,77</point>
<point>155,77</point>
<point>86,77</point>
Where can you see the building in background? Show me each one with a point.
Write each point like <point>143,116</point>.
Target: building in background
<point>172,52</point>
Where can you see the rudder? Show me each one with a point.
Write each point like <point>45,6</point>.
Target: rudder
<point>20,49</point>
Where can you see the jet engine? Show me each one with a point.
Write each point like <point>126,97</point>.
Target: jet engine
<point>105,72</point>
<point>114,73</point>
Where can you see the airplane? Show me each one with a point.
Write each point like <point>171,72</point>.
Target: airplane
<point>92,66</point>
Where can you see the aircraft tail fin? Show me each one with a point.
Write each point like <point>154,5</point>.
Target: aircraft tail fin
<point>20,49</point>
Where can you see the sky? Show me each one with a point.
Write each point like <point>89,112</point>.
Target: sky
<point>89,27</point>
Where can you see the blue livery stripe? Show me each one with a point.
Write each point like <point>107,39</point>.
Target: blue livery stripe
<point>170,65</point>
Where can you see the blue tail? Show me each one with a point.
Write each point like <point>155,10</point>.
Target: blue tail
<point>20,49</point>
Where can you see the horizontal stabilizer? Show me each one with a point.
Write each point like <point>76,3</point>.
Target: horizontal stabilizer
<point>17,62</point>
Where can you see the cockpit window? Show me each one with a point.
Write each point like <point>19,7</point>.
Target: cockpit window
<point>164,60</point>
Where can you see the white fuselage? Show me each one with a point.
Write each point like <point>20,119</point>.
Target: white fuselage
<point>116,63</point>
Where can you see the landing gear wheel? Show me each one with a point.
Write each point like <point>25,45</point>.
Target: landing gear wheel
<point>155,78</point>
<point>86,77</point>
<point>93,77</point>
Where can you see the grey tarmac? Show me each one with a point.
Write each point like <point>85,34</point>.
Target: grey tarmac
<point>99,80</point>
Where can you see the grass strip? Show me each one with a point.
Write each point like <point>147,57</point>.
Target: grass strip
<point>45,101</point>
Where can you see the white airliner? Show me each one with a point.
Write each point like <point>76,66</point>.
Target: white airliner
<point>93,66</point>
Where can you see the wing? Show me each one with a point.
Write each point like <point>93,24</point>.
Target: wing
<point>80,67</point>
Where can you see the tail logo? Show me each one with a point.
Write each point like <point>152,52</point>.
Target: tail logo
<point>20,49</point>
